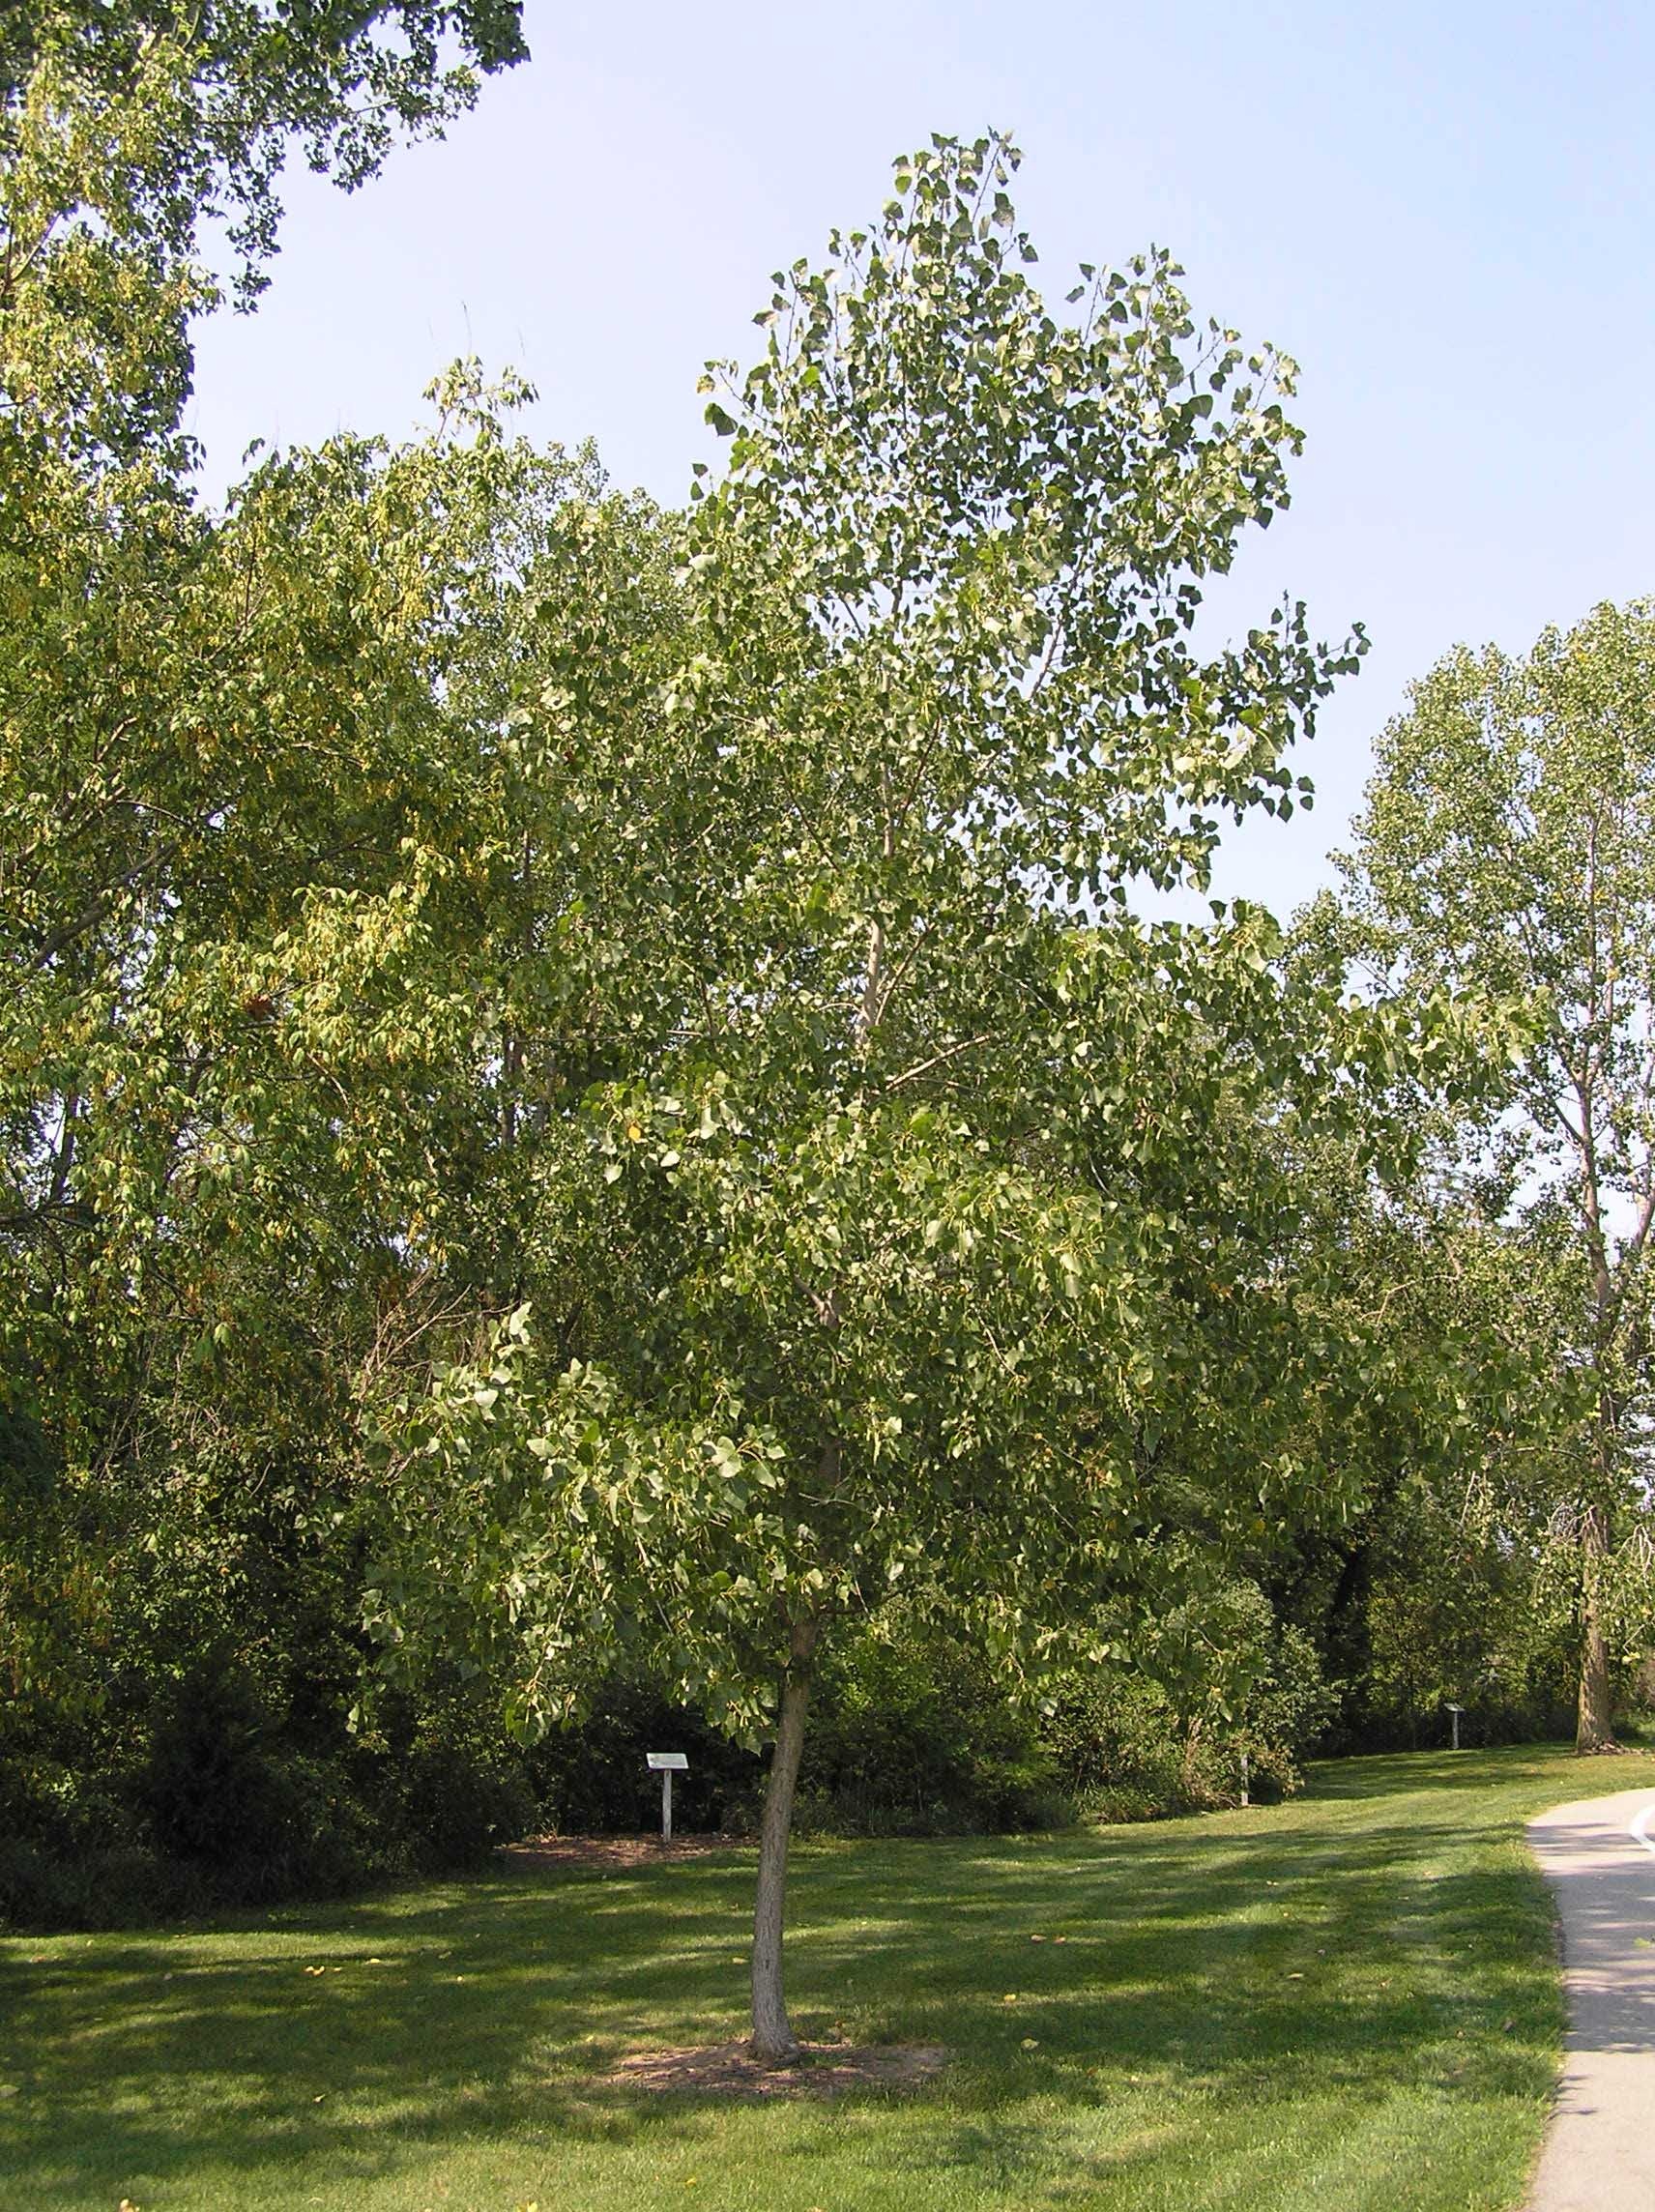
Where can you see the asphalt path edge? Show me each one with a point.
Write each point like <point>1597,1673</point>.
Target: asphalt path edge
<point>1598,1859</point>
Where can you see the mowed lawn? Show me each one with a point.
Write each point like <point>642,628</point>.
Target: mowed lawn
<point>1348,2001</point>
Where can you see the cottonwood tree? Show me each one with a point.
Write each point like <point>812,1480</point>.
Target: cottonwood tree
<point>263,1112</point>
<point>175,685</point>
<point>851,1284</point>
<point>265,840</point>
<point>1504,854</point>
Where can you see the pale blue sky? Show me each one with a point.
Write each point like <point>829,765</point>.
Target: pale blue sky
<point>1445,213</point>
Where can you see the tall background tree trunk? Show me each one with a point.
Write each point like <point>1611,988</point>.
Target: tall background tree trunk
<point>1594,1725</point>
<point>773,2040</point>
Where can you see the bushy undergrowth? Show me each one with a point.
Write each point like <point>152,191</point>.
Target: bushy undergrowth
<point>909,1735</point>
<point>218,1794</point>
<point>216,1790</point>
<point>1231,1707</point>
<point>912,1732</point>
<point>916,1735</point>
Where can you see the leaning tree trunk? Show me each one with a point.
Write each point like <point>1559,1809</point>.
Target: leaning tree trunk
<point>1594,1726</point>
<point>773,2040</point>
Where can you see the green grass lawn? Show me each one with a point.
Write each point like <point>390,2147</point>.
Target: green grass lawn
<point>1347,2002</point>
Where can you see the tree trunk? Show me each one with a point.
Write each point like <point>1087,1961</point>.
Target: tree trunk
<point>773,2040</point>
<point>1192,1738</point>
<point>1595,1727</point>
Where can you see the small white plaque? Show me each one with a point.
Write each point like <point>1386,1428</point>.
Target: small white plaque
<point>668,1761</point>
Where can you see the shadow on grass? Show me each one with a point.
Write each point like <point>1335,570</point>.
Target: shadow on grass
<point>1343,1948</point>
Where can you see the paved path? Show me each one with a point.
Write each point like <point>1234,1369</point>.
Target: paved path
<point>1600,2154</point>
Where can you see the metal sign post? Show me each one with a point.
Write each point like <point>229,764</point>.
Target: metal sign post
<point>667,1763</point>
<point>1456,1710</point>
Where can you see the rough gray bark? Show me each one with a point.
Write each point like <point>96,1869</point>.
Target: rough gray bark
<point>1594,1725</point>
<point>773,2040</point>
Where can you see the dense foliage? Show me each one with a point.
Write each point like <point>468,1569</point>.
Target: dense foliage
<point>595,1147</point>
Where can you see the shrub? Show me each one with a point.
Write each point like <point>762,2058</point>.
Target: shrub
<point>911,1734</point>
<point>915,1734</point>
<point>1221,1678</point>
<point>459,1801</point>
<point>231,1800</point>
<point>590,1778</point>
<point>219,1795</point>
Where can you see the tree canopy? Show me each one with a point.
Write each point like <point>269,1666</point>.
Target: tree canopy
<point>127,125</point>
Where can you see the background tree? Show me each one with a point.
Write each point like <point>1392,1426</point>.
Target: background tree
<point>1441,1584</point>
<point>1504,852</point>
<point>125,128</point>
<point>176,697</point>
<point>266,1112</point>
<point>257,792</point>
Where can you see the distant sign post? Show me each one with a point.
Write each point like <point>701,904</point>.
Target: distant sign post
<point>667,1763</point>
<point>1456,1711</point>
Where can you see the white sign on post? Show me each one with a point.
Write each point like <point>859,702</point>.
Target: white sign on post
<point>1456,1710</point>
<point>667,1763</point>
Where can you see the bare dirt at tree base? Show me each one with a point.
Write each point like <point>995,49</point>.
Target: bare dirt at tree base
<point>823,2070</point>
<point>725,2069</point>
<point>612,1853</point>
